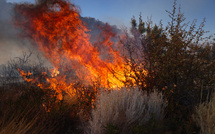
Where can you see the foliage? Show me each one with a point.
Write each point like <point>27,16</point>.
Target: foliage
<point>124,108</point>
<point>175,56</point>
<point>178,59</point>
<point>29,109</point>
<point>18,123</point>
<point>204,116</point>
<point>111,129</point>
<point>23,112</point>
<point>151,127</point>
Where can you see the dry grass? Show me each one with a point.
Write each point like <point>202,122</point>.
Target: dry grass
<point>125,108</point>
<point>205,116</point>
<point>21,113</point>
<point>25,120</point>
<point>18,124</point>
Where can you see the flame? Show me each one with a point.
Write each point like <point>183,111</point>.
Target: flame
<point>54,72</point>
<point>57,30</point>
<point>25,75</point>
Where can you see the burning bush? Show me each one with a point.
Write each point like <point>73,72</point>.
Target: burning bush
<point>55,27</point>
<point>125,108</point>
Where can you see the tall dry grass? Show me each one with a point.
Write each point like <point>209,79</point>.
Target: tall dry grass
<point>18,123</point>
<point>204,116</point>
<point>22,111</point>
<point>24,118</point>
<point>124,108</point>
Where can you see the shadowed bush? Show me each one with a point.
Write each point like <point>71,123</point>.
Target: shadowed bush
<point>28,109</point>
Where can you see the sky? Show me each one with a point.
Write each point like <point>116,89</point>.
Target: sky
<point>120,12</point>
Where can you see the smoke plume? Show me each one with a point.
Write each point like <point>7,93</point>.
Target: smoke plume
<point>11,45</point>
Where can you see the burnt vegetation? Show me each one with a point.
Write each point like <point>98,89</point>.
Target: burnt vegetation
<point>173,66</point>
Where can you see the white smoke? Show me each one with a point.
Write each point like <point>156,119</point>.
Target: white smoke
<point>11,43</point>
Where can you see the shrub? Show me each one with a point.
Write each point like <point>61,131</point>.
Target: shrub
<point>125,108</point>
<point>204,116</point>
<point>28,109</point>
<point>179,61</point>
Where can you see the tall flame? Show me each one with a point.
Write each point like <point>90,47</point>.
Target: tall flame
<point>57,30</point>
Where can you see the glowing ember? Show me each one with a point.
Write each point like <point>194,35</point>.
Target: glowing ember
<point>58,31</point>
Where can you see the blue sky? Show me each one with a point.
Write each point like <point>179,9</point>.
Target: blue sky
<point>120,12</point>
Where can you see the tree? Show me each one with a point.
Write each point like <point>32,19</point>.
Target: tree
<point>176,60</point>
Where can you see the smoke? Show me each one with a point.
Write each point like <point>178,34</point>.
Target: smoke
<point>7,30</point>
<point>11,44</point>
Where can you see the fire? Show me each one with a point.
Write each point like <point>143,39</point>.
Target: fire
<point>57,30</point>
<point>54,72</point>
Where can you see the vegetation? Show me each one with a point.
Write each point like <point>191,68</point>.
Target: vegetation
<point>179,61</point>
<point>172,71</point>
<point>121,110</point>
<point>204,115</point>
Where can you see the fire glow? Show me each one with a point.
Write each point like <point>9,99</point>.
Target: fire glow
<point>57,30</point>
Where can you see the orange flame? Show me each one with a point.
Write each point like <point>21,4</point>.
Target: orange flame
<point>60,34</point>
